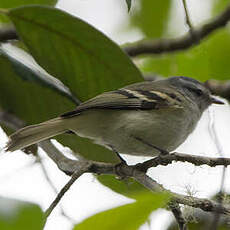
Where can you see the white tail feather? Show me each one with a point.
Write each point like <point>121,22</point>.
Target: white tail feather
<point>35,133</point>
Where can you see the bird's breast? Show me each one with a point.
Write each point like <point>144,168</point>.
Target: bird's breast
<point>120,129</point>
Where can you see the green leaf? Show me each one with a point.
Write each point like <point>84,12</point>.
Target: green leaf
<point>128,187</point>
<point>129,3</point>
<point>219,6</point>
<point>208,60</point>
<point>19,215</point>
<point>25,66</point>
<point>152,17</point>
<point>33,101</point>
<point>126,217</point>
<point>83,58</point>
<point>7,4</point>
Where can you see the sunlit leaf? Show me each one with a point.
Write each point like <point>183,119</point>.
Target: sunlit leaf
<point>219,6</point>
<point>208,60</point>
<point>127,187</point>
<point>126,217</point>
<point>152,17</point>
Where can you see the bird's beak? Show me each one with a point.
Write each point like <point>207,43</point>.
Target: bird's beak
<point>216,101</point>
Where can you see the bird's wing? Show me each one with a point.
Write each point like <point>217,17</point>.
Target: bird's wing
<point>129,99</point>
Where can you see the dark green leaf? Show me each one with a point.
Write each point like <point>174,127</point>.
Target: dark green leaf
<point>127,187</point>
<point>129,3</point>
<point>152,17</point>
<point>80,56</point>
<point>68,48</point>
<point>33,103</point>
<point>126,217</point>
<point>19,215</point>
<point>25,66</point>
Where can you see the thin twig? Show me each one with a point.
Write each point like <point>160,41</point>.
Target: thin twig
<point>188,21</point>
<point>74,177</point>
<point>180,43</point>
<point>213,134</point>
<point>45,173</point>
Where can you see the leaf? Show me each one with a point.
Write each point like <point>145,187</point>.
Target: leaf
<point>129,3</point>
<point>33,101</point>
<point>208,60</point>
<point>25,66</point>
<point>15,214</point>
<point>126,217</point>
<point>83,58</point>
<point>152,17</point>
<point>6,4</point>
<point>128,187</point>
<point>219,6</point>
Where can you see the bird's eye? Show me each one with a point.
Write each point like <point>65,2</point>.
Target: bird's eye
<point>196,91</point>
<point>199,92</point>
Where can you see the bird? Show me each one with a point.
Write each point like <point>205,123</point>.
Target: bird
<point>140,119</point>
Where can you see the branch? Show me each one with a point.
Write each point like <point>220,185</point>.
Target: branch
<point>220,88</point>
<point>77,168</point>
<point>216,216</point>
<point>145,180</point>
<point>175,208</point>
<point>70,167</point>
<point>201,203</point>
<point>182,157</point>
<point>8,33</point>
<point>181,43</point>
<point>158,46</point>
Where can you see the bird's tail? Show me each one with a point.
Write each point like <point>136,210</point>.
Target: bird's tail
<point>35,133</point>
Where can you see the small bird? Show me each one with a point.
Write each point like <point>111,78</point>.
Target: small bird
<point>139,119</point>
